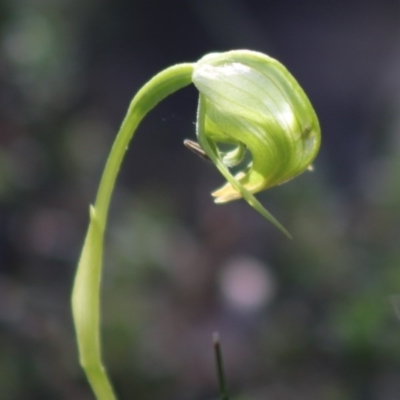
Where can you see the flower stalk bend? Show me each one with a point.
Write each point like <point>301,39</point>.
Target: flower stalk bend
<point>86,290</point>
<point>248,101</point>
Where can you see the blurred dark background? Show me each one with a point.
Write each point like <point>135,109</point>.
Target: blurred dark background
<point>315,318</point>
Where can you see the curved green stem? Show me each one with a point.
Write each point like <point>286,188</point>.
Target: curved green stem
<point>86,290</point>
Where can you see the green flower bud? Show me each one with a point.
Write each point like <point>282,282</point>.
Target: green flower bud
<point>251,101</point>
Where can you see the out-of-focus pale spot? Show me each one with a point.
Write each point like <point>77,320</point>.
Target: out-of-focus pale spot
<point>247,284</point>
<point>395,299</point>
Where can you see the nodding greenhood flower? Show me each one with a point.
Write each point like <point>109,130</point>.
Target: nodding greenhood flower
<point>247,100</point>
<point>251,101</point>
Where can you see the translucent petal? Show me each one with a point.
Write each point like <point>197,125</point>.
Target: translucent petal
<point>252,99</point>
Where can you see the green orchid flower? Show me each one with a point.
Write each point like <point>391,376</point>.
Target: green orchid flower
<point>248,101</point>
<point>251,101</point>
